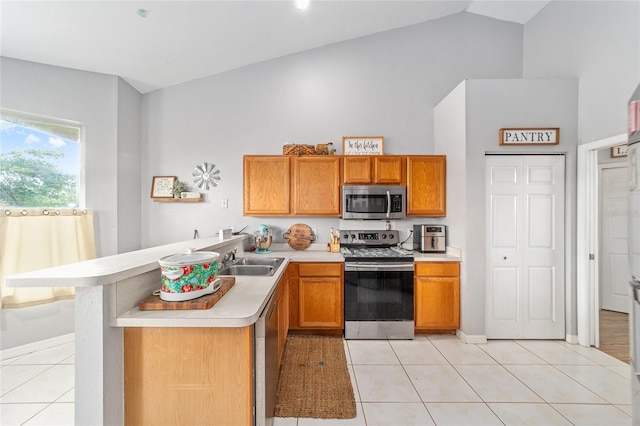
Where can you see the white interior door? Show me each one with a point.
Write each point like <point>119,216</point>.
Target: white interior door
<point>525,247</point>
<point>614,261</point>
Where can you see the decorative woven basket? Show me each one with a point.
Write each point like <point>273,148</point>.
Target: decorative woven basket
<point>295,149</point>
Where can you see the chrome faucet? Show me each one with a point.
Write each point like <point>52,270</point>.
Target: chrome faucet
<point>229,256</point>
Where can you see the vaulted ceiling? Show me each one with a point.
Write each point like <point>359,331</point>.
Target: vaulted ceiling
<point>156,44</point>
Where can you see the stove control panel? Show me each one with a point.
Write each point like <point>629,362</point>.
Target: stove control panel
<point>369,237</point>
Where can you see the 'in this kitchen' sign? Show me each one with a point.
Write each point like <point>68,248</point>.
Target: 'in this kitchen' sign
<point>534,136</point>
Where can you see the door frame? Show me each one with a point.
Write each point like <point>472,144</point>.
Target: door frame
<point>587,269</point>
<point>601,168</point>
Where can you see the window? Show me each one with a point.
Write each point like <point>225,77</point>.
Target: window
<point>40,161</point>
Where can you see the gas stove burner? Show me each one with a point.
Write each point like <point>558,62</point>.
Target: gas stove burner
<point>376,254</point>
<point>379,246</point>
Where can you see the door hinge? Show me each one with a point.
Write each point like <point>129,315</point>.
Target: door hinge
<point>592,256</point>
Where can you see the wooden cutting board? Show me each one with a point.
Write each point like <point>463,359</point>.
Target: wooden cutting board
<point>299,236</point>
<point>154,303</point>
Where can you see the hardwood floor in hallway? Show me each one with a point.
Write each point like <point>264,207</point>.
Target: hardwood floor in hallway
<point>614,334</point>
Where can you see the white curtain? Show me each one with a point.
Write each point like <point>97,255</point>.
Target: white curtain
<point>32,239</point>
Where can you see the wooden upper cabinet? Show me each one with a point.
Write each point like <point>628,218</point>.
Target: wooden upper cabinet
<point>382,169</point>
<point>389,169</point>
<point>316,185</point>
<point>267,183</point>
<point>426,185</point>
<point>357,169</point>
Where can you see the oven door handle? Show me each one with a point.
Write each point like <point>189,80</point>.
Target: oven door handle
<point>378,267</point>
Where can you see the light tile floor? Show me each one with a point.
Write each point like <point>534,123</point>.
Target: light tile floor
<point>432,380</point>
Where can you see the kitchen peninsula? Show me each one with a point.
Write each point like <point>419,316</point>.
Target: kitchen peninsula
<point>219,342</point>
<point>108,291</point>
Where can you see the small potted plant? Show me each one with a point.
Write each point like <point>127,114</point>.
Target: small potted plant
<point>178,188</point>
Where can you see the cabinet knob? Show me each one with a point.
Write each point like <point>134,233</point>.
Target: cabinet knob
<point>505,257</point>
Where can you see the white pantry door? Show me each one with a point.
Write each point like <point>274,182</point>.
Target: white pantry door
<point>614,260</point>
<point>525,246</point>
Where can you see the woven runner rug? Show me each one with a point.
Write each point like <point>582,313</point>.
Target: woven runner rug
<point>314,379</point>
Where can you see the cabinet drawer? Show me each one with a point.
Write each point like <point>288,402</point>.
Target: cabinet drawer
<point>438,269</point>
<point>320,269</point>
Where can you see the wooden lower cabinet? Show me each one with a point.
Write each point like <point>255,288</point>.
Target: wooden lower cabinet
<point>437,296</point>
<point>188,376</point>
<point>316,297</point>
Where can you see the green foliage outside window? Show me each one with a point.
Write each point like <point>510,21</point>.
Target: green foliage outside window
<point>28,178</point>
<point>39,161</point>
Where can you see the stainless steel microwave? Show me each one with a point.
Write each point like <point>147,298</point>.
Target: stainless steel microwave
<point>374,202</point>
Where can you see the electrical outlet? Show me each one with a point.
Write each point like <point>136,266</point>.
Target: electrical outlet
<point>225,203</point>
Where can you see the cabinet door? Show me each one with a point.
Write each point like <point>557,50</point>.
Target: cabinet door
<point>437,303</point>
<point>426,185</point>
<point>357,169</point>
<point>320,302</point>
<point>389,169</point>
<point>316,186</point>
<point>267,183</point>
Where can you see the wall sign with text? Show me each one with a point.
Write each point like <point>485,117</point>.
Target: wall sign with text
<point>533,136</point>
<point>362,145</point>
<point>619,151</point>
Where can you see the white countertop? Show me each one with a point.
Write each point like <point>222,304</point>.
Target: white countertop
<point>111,269</point>
<point>241,305</point>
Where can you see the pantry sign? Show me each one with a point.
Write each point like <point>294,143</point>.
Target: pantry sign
<point>530,136</point>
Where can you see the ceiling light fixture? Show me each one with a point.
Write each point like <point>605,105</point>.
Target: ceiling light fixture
<point>302,4</point>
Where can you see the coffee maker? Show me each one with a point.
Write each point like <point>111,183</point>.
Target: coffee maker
<point>430,238</point>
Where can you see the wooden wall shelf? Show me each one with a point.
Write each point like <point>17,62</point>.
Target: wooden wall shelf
<point>177,200</point>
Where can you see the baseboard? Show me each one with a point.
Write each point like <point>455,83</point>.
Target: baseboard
<point>471,338</point>
<point>572,338</point>
<point>36,346</point>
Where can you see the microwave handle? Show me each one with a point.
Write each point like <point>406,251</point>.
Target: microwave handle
<point>388,204</point>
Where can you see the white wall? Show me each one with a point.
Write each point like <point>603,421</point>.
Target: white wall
<point>129,158</point>
<point>481,111</point>
<point>386,84</point>
<point>91,99</point>
<point>597,42</point>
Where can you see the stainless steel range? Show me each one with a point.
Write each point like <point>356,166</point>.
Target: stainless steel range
<point>378,286</point>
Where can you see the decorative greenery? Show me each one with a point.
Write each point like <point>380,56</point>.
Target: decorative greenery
<point>179,187</point>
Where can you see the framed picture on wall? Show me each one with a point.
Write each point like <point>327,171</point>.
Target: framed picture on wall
<point>363,145</point>
<point>162,186</point>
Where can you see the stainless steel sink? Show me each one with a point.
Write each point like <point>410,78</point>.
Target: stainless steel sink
<point>270,261</point>
<point>265,266</point>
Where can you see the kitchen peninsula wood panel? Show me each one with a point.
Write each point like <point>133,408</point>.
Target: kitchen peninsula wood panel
<point>437,296</point>
<point>182,376</point>
<point>426,185</point>
<point>267,183</point>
